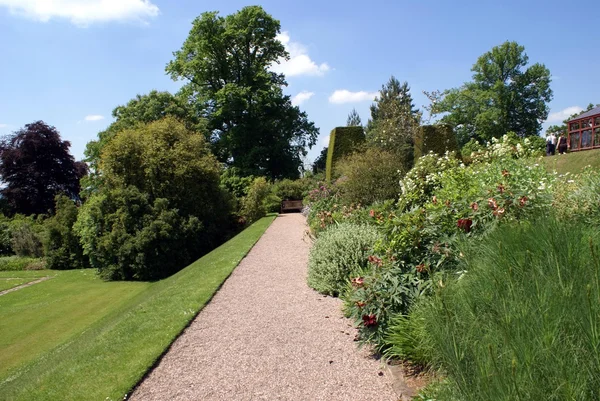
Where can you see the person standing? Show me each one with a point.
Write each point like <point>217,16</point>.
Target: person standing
<point>562,144</point>
<point>552,139</point>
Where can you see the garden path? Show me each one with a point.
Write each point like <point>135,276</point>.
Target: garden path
<point>267,336</point>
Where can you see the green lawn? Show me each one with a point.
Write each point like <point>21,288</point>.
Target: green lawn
<point>573,162</point>
<point>75,337</point>
<point>14,278</point>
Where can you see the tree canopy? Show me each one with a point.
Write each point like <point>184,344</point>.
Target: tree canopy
<point>225,63</point>
<point>505,95</point>
<point>35,165</point>
<point>353,119</point>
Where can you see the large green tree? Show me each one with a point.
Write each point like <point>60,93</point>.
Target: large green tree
<point>353,119</point>
<point>159,205</point>
<point>394,121</point>
<point>504,95</point>
<point>225,63</point>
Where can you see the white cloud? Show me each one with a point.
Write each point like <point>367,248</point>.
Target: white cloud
<point>302,97</point>
<point>3,125</point>
<point>299,63</point>
<point>345,96</point>
<point>83,12</point>
<point>562,115</point>
<point>94,117</point>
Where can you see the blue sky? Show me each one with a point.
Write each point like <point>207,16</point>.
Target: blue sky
<point>70,62</point>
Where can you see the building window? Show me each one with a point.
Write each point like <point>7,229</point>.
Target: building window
<point>574,126</point>
<point>586,138</point>
<point>597,137</point>
<point>586,123</point>
<point>575,141</point>
<point>597,122</point>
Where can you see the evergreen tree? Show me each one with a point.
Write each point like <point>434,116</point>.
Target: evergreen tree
<point>353,119</point>
<point>392,92</point>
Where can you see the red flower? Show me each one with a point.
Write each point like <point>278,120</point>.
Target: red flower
<point>372,213</point>
<point>501,188</point>
<point>523,200</point>
<point>358,281</point>
<point>505,173</point>
<point>499,212</point>
<point>360,304</point>
<point>421,268</point>
<point>492,203</point>
<point>464,224</point>
<point>474,206</point>
<point>375,260</point>
<point>369,320</point>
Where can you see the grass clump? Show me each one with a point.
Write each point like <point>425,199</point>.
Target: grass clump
<point>523,322</point>
<point>17,263</point>
<point>337,253</point>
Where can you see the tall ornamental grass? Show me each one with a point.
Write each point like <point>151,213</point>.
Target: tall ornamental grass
<point>523,322</point>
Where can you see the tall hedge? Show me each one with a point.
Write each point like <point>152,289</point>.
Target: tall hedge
<point>437,138</point>
<point>342,141</point>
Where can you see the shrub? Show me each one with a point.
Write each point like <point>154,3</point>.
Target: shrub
<point>16,263</point>
<point>253,205</point>
<point>159,206</point>
<point>522,322</point>
<point>369,176</point>
<point>61,245</point>
<point>26,237</point>
<point>578,197</point>
<point>342,141</point>
<point>5,236</point>
<point>290,189</point>
<point>437,139</point>
<point>129,237</point>
<point>336,254</point>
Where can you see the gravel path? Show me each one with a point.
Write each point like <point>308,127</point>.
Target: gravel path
<point>267,336</point>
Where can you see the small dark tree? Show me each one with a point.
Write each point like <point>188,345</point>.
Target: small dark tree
<point>35,165</point>
<point>320,163</point>
<point>353,119</point>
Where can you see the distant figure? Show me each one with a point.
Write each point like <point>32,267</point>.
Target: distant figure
<point>562,144</point>
<point>552,138</point>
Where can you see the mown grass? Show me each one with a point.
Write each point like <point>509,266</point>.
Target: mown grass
<point>523,323</point>
<point>573,163</point>
<point>105,359</point>
<point>10,279</point>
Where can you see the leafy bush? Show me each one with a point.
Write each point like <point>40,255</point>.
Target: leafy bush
<point>62,247</point>
<point>26,237</point>
<point>522,322</point>
<point>127,236</point>
<point>17,263</point>
<point>336,254</point>
<point>160,205</point>
<point>369,176</point>
<point>253,205</point>
<point>5,236</point>
<point>578,197</point>
<point>290,189</point>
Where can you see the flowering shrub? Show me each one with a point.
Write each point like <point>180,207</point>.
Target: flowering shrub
<point>578,197</point>
<point>338,252</point>
<point>509,146</point>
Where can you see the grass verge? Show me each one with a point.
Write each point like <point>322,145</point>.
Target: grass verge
<point>573,162</point>
<point>106,359</point>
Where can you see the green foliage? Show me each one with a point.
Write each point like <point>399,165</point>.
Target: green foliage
<point>143,109</point>
<point>18,263</point>
<point>27,235</point>
<point>522,322</point>
<point>342,142</point>
<point>438,139</point>
<point>353,119</point>
<point>160,205</point>
<point>368,177</point>
<point>337,253</point>
<point>61,244</point>
<point>290,189</point>
<point>227,64</point>
<point>5,236</point>
<point>320,163</point>
<point>503,96</point>
<point>253,205</point>
<point>578,197</point>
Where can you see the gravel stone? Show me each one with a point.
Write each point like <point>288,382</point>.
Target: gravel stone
<point>267,336</point>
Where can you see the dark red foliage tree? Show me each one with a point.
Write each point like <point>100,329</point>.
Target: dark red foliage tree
<point>35,166</point>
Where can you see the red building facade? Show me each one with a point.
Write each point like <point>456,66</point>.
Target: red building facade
<point>584,131</point>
